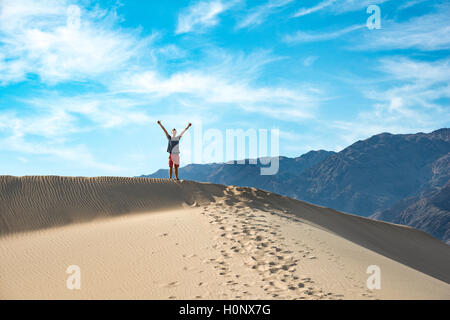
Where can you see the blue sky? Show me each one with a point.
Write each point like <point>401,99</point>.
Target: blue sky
<point>82,97</point>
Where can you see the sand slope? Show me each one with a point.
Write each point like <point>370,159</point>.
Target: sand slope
<point>137,238</point>
<point>33,203</point>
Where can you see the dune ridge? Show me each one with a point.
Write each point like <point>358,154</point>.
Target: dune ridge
<point>38,202</point>
<point>248,223</point>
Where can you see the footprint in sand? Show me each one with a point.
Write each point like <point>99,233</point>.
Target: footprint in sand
<point>172,284</point>
<point>253,235</point>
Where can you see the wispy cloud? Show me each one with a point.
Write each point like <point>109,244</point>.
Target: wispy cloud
<point>201,16</point>
<point>318,7</point>
<point>411,3</point>
<point>100,79</point>
<point>41,39</point>
<point>427,32</point>
<point>259,14</point>
<point>228,83</point>
<point>416,71</point>
<point>410,101</point>
<point>50,122</point>
<point>100,110</point>
<point>309,61</point>
<point>337,6</point>
<point>415,86</point>
<point>302,36</point>
<point>50,139</point>
<point>343,6</point>
<point>37,38</point>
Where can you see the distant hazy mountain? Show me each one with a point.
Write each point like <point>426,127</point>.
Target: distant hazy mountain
<point>374,174</point>
<point>429,211</point>
<point>396,178</point>
<point>249,175</point>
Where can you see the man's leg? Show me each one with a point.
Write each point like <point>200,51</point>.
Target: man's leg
<point>176,163</point>
<point>170,166</point>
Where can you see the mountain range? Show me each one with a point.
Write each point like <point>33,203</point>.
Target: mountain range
<point>400,178</point>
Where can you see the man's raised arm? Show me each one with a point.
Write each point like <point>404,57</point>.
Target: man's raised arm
<point>164,129</point>
<point>184,131</point>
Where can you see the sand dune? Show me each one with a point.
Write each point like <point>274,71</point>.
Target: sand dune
<point>137,238</point>
<point>33,203</point>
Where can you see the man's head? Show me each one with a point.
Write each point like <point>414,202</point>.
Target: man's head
<point>174,132</point>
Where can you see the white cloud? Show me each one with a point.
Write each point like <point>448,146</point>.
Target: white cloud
<point>318,7</point>
<point>303,37</point>
<point>227,80</point>
<point>201,15</point>
<point>427,32</point>
<point>52,131</point>
<point>343,6</point>
<point>22,159</point>
<point>53,122</point>
<point>260,13</point>
<point>103,110</point>
<point>309,61</point>
<point>411,101</point>
<point>417,89</point>
<point>417,71</point>
<point>411,3</point>
<point>287,104</point>
<point>37,38</point>
<point>56,124</point>
<point>338,6</point>
<point>170,52</point>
